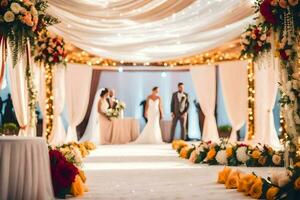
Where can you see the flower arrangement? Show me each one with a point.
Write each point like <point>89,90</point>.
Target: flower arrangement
<point>20,20</point>
<point>66,163</point>
<point>50,49</point>
<point>281,18</point>
<point>255,40</point>
<point>225,153</point>
<point>281,185</point>
<point>116,111</point>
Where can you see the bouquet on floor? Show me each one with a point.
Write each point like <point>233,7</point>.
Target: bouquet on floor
<point>231,154</point>
<point>66,162</point>
<point>50,49</point>
<point>255,40</point>
<point>117,111</point>
<point>281,185</point>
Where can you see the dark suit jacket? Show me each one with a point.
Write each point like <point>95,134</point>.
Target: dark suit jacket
<point>175,104</point>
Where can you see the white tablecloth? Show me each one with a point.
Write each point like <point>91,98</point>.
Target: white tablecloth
<point>24,169</point>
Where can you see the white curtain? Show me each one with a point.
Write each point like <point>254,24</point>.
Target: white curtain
<point>204,79</point>
<point>266,88</point>
<point>58,132</point>
<point>152,30</point>
<point>233,77</point>
<point>92,131</point>
<point>19,92</point>
<point>78,83</point>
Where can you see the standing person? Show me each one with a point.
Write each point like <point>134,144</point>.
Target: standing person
<point>151,134</point>
<point>104,122</point>
<point>179,111</point>
<point>112,101</point>
<point>143,103</point>
<point>9,114</point>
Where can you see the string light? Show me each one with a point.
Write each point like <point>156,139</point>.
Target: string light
<point>49,101</point>
<point>251,100</point>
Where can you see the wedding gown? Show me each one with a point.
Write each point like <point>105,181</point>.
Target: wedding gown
<point>105,124</point>
<point>152,132</point>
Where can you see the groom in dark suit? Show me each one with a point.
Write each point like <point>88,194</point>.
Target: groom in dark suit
<point>179,111</point>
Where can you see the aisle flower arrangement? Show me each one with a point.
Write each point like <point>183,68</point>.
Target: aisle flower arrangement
<point>283,20</point>
<point>66,162</point>
<point>226,153</point>
<point>116,112</point>
<point>256,40</point>
<point>281,185</point>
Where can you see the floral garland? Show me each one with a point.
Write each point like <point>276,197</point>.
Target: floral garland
<point>225,153</point>
<point>255,41</point>
<point>49,51</point>
<point>66,162</point>
<point>283,19</point>
<point>284,185</point>
<point>116,112</point>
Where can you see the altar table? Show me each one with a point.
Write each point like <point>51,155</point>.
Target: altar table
<point>125,130</point>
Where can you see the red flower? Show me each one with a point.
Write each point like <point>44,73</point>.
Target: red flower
<point>257,48</point>
<point>266,11</point>
<point>256,32</point>
<point>283,55</point>
<point>243,145</point>
<point>55,157</point>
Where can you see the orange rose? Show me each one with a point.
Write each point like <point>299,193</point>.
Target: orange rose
<point>183,152</point>
<point>272,193</point>
<point>232,180</point>
<point>223,175</point>
<point>262,160</point>
<point>211,154</point>
<point>256,189</point>
<point>245,183</point>
<point>297,183</point>
<point>256,154</point>
<point>297,164</point>
<point>229,152</point>
<point>77,187</point>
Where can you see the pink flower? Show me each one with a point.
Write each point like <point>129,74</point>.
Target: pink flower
<point>293,2</point>
<point>283,3</point>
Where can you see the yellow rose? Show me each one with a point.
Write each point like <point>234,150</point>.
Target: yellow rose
<point>82,176</point>
<point>232,180</point>
<point>297,183</point>
<point>271,193</point>
<point>211,154</point>
<point>256,154</point>
<point>256,189</point>
<point>223,175</point>
<point>229,152</point>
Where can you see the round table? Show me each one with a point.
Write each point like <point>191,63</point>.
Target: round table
<point>24,168</point>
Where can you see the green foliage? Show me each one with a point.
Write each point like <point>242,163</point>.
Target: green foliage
<point>225,128</point>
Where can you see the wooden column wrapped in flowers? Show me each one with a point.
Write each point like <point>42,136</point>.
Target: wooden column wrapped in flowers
<point>278,29</point>
<point>20,21</point>
<point>49,52</point>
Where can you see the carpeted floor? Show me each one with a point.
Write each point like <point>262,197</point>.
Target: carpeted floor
<point>153,172</point>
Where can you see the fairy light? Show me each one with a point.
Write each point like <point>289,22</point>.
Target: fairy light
<point>251,100</point>
<point>49,101</point>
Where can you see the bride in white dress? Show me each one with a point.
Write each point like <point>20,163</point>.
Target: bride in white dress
<point>153,112</point>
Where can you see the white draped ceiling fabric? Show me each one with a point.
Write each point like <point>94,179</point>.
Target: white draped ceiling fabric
<point>150,30</point>
<point>78,83</point>
<point>233,76</point>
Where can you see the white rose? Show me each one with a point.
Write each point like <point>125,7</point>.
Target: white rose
<point>283,179</point>
<point>288,52</point>
<point>221,157</point>
<point>263,37</point>
<point>245,41</point>
<point>297,119</point>
<point>241,154</point>
<point>15,7</point>
<point>50,59</point>
<point>259,43</point>
<point>9,16</point>
<point>33,11</point>
<point>276,159</point>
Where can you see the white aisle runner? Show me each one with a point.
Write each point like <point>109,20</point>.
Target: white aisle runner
<point>155,172</point>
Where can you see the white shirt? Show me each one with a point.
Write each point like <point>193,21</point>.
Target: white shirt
<point>180,95</point>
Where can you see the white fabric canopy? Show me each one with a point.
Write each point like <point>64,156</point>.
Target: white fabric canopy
<point>150,30</point>
<point>233,76</point>
<point>58,132</point>
<point>266,88</point>
<point>77,96</point>
<point>204,79</point>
